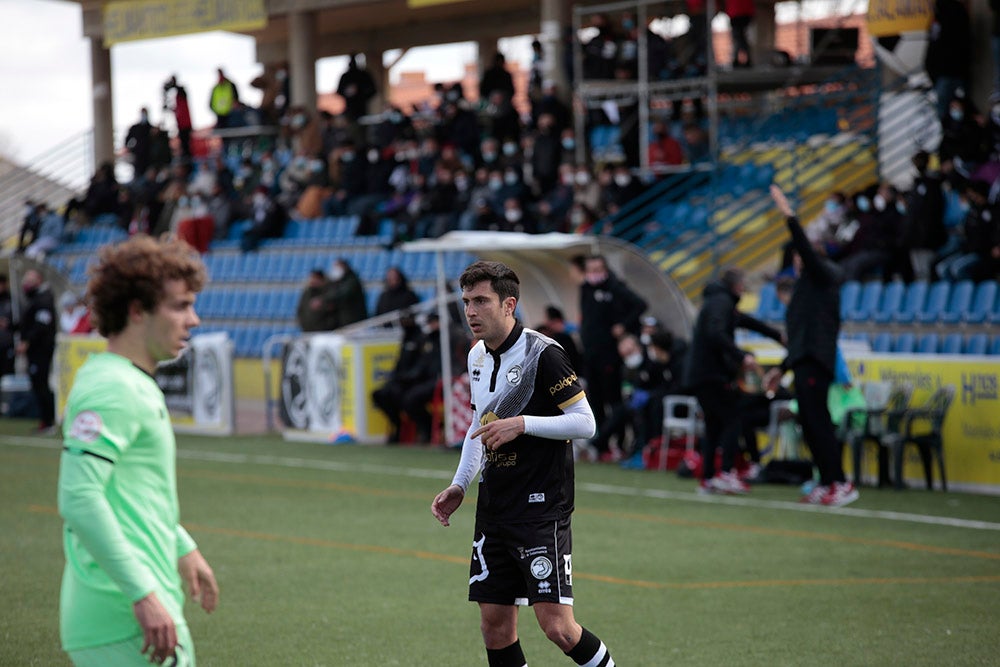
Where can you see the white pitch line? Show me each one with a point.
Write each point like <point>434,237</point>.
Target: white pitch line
<point>738,501</point>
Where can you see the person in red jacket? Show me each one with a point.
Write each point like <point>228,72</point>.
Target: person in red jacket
<point>182,115</point>
<point>740,14</point>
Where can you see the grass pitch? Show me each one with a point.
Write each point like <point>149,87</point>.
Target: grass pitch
<point>328,555</point>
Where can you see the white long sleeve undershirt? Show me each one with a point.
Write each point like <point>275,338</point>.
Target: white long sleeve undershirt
<point>577,421</point>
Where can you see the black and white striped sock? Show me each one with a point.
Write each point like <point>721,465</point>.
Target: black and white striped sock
<point>591,652</point>
<point>511,656</point>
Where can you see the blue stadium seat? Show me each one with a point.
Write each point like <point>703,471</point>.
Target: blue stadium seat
<point>882,342</point>
<point>913,301</point>
<point>891,302</point>
<point>959,303</point>
<point>977,344</point>
<point>937,299</point>
<point>927,344</point>
<point>983,302</point>
<point>952,344</point>
<point>995,345</point>
<point>768,306</point>
<point>871,294</point>
<point>905,343</point>
<point>849,293</point>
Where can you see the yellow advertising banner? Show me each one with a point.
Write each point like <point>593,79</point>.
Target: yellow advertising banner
<point>417,4</point>
<point>972,427</point>
<point>892,17</point>
<point>148,19</point>
<point>71,352</point>
<point>379,360</point>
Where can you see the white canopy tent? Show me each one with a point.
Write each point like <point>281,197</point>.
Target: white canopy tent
<point>543,263</point>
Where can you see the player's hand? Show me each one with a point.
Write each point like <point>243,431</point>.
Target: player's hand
<point>199,579</point>
<point>781,201</point>
<point>446,502</point>
<point>159,634</point>
<point>500,432</point>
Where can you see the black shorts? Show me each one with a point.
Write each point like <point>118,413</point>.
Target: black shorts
<point>522,563</point>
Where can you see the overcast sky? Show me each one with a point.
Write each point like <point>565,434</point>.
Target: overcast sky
<point>45,77</point>
<point>45,72</point>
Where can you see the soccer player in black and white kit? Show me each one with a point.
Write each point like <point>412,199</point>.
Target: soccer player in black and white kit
<point>528,404</point>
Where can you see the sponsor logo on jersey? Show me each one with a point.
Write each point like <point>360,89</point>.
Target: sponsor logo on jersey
<point>536,498</point>
<point>514,375</point>
<point>479,361</point>
<point>476,373</point>
<point>501,459</point>
<point>562,384</point>
<point>544,587</point>
<point>541,568</point>
<point>86,426</point>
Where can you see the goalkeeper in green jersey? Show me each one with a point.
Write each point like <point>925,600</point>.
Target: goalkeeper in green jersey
<point>127,557</point>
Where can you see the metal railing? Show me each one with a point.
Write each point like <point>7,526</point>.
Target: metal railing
<point>51,177</point>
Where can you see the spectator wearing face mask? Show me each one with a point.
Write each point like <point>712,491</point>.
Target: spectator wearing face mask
<point>515,218</point>
<point>547,155</point>
<point>267,220</point>
<point>608,310</point>
<point>644,384</point>
<point>825,230</point>
<point>347,294</point>
<point>875,247</point>
<point>586,189</point>
<point>924,230</point>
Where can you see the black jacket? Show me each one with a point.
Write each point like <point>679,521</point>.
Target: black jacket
<point>812,320</point>
<point>38,326</point>
<point>713,356</point>
<point>601,307</point>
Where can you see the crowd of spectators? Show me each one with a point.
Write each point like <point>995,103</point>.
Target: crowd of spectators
<point>944,226</point>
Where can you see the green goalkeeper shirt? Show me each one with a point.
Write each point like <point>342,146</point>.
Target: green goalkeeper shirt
<point>118,500</point>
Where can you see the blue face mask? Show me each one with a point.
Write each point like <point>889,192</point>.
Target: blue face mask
<point>956,114</point>
<point>568,144</point>
<point>832,207</point>
<point>864,205</point>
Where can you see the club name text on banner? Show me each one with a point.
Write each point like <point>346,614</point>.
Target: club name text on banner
<point>148,19</point>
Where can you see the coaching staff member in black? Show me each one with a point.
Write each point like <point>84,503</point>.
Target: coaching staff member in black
<point>528,404</point>
<point>812,323</point>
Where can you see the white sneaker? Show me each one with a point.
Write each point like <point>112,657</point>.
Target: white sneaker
<point>816,496</point>
<point>726,483</point>
<point>842,493</point>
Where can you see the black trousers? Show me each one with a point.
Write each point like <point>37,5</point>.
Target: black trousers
<point>812,385</point>
<point>38,374</point>
<point>720,403</point>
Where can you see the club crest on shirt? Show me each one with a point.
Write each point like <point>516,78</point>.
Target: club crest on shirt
<point>514,375</point>
<point>86,426</point>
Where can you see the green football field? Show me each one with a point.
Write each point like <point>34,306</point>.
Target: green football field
<point>328,555</point>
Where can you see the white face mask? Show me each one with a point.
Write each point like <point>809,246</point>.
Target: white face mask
<point>645,339</point>
<point>336,272</point>
<point>622,180</point>
<point>513,214</point>
<point>879,202</point>
<point>633,360</point>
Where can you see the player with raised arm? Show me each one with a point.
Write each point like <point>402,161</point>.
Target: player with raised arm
<point>528,405</point>
<point>127,556</point>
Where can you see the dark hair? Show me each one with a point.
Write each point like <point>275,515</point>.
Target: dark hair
<point>731,277</point>
<point>662,339</point>
<point>502,279</point>
<point>137,270</point>
<point>553,313</point>
<point>784,284</point>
